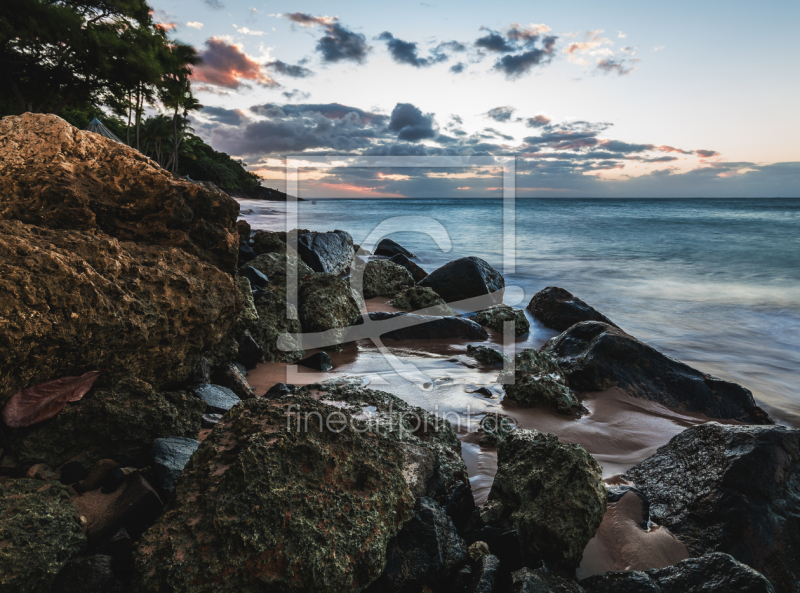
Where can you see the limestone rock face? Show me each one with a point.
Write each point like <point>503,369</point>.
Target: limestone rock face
<point>73,301</point>
<point>385,278</point>
<point>40,532</point>
<point>495,316</point>
<point>267,504</point>
<point>732,489</point>
<point>596,356</point>
<point>56,176</point>
<point>552,494</point>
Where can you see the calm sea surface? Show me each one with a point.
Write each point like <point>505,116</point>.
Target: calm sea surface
<point>712,282</point>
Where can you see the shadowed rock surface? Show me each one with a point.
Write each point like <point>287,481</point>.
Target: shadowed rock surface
<point>494,317</point>
<point>465,278</point>
<point>596,356</point>
<point>551,493</point>
<point>732,489</point>
<point>714,573</point>
<point>486,355</point>
<point>430,327</point>
<point>325,303</point>
<point>330,253</point>
<point>384,278</point>
<point>269,242</point>
<point>272,264</point>
<point>88,575</point>
<point>538,380</point>
<point>526,580</point>
<point>560,309</point>
<point>390,248</point>
<point>422,297</point>
<point>54,175</point>
<point>273,320</point>
<point>170,456</point>
<point>416,272</point>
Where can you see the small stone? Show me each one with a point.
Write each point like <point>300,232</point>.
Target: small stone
<point>201,372</point>
<point>170,457</point>
<point>279,390</point>
<point>246,253</point>
<point>229,375</point>
<point>486,356</point>
<point>210,420</point>
<point>484,391</point>
<point>478,550</point>
<point>120,547</point>
<point>321,361</point>
<point>250,351</point>
<point>218,399</point>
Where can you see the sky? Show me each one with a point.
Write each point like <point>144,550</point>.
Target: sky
<point>612,99</point>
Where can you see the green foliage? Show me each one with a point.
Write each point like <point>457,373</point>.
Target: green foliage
<point>81,116</point>
<point>206,164</point>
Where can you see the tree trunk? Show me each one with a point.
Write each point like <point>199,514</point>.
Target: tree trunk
<point>128,130</point>
<point>175,141</point>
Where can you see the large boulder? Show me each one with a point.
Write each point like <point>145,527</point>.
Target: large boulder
<point>269,242</point>
<point>496,316</point>
<point>384,278</point>
<point>427,327</point>
<point>390,248</point>
<point>73,301</point>
<point>119,423</point>
<point>596,356</point>
<point>732,489</point>
<point>54,175</point>
<point>273,321</point>
<point>272,500</point>
<point>39,532</point>
<point>560,309</point>
<point>714,573</point>
<point>416,272</point>
<point>274,264</point>
<point>330,253</point>
<point>326,303</point>
<point>422,297</point>
<point>466,278</point>
<point>551,493</point>
<point>538,381</point>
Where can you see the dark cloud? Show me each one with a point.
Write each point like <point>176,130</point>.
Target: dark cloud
<point>617,146</point>
<point>405,52</point>
<point>537,121</point>
<point>293,70</point>
<point>515,65</point>
<point>449,46</point>
<point>501,114</point>
<point>706,153</point>
<point>342,44</point>
<point>493,132</point>
<point>214,4</point>
<point>618,66</point>
<point>228,66</point>
<point>231,117</point>
<point>306,20</point>
<point>295,94</point>
<point>494,42</point>
<point>334,111</point>
<point>410,123</point>
<point>458,68</point>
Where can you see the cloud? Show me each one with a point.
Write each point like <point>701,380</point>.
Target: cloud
<point>410,123</point>
<point>537,121</point>
<point>214,4</point>
<point>293,70</point>
<point>621,35</point>
<point>341,44</point>
<point>194,25</point>
<point>221,115</point>
<point>494,42</point>
<point>620,67</point>
<point>515,65</point>
<point>526,35</point>
<point>458,68</point>
<point>405,52</point>
<point>226,65</point>
<point>246,31</point>
<point>706,153</point>
<point>306,20</point>
<point>295,94</point>
<point>659,48</point>
<point>501,114</point>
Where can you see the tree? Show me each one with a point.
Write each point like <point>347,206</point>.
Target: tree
<point>175,92</point>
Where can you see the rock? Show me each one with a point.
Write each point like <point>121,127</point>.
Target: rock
<point>72,302</point>
<point>243,228</point>
<point>477,551</point>
<point>73,472</point>
<point>250,352</point>
<point>495,316</point>
<point>416,272</point>
<point>538,381</point>
<point>422,297</point>
<point>731,489</point>
<point>560,310</point>
<point>486,356</point>
<point>134,506</point>
<point>228,375</point>
<point>596,356</point>
<point>269,242</point>
<point>170,456</point>
<point>321,361</point>
<point>274,264</point>
<point>485,575</point>
<point>384,278</point>
<point>246,254</point>
<point>201,372</point>
<point>279,390</point>
<point>389,248</point>
<point>466,278</point>
<point>256,277</point>
<point>526,580</point>
<point>218,399</point>
<point>120,423</point>
<point>273,321</point>
<point>429,327</point>
<point>114,478</point>
<point>97,475</point>
<point>120,548</point>
<point>210,420</point>
<point>426,552</point>
<point>714,573</point>
<point>326,303</point>
<point>54,175</point>
<point>39,532</point>
<point>88,575</point>
<point>330,253</point>
<point>552,494</point>
<point>283,500</point>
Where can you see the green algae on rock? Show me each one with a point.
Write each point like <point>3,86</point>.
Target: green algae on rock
<point>274,264</point>
<point>422,297</point>
<point>496,315</point>
<point>384,278</point>
<point>269,242</point>
<point>552,494</point>
<point>486,356</point>
<point>272,502</point>
<point>538,380</point>
<point>272,322</point>
<point>39,532</point>
<point>326,303</point>
<point>119,423</point>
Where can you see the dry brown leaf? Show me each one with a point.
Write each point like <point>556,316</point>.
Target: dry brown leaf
<point>41,402</point>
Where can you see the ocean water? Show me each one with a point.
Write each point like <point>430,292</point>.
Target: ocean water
<point>712,282</point>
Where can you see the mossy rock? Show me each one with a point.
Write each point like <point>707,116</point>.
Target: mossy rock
<point>553,495</point>
<point>486,356</point>
<point>538,381</point>
<point>269,242</point>
<point>39,532</point>
<point>326,303</point>
<point>495,316</point>
<point>274,264</point>
<point>119,424</point>
<point>272,322</point>
<point>384,278</point>
<point>263,506</point>
<point>422,297</point>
